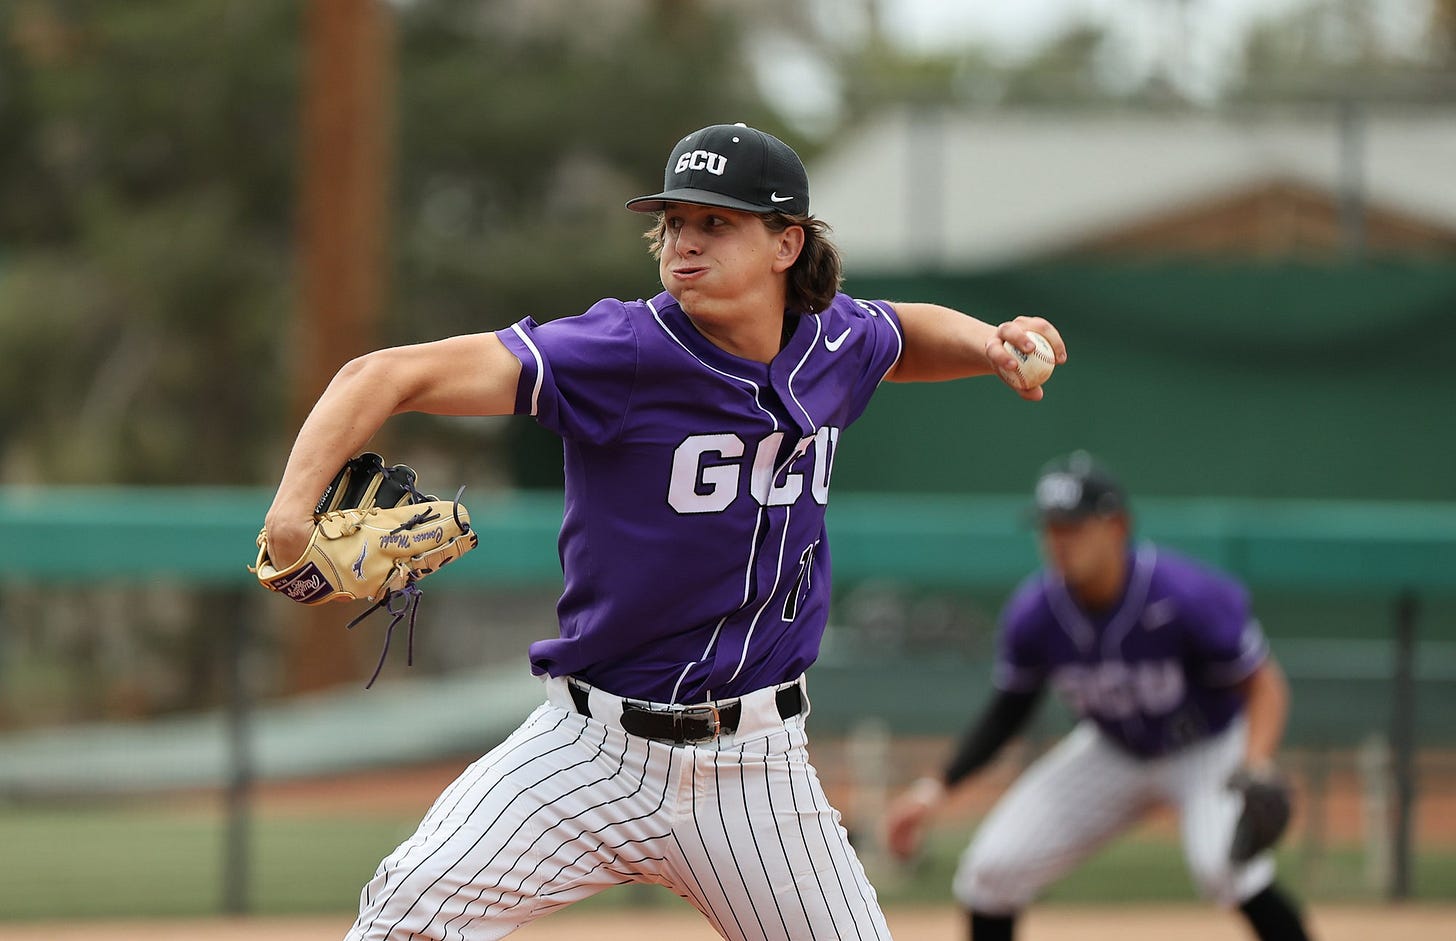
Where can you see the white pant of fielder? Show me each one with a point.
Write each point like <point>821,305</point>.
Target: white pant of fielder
<point>1085,791</point>
<point>571,805</point>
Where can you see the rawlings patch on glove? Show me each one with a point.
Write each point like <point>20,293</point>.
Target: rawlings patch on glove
<point>375,535</point>
<point>1268,805</point>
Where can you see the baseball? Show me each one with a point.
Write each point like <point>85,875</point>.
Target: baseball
<point>1032,368</point>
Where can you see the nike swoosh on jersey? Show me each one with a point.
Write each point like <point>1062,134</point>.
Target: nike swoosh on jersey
<point>1158,613</point>
<point>837,342</point>
<point>779,199</point>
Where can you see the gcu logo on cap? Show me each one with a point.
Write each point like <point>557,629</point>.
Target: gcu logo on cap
<point>732,166</point>
<point>702,160</point>
<point>1059,492</point>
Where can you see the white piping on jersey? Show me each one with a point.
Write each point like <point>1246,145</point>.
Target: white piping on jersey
<point>778,576</point>
<point>1133,605</point>
<point>748,382</point>
<point>1071,619</point>
<point>540,366</point>
<point>1253,651</point>
<point>1133,602</point>
<point>759,518</point>
<point>717,628</point>
<point>818,332</point>
<point>778,569</point>
<point>899,337</point>
<point>1065,613</point>
<point>1122,622</point>
<point>753,552</point>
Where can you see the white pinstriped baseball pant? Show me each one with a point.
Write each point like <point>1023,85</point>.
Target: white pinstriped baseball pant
<point>570,805</point>
<point>1083,792</point>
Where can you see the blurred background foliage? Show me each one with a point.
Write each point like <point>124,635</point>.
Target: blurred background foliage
<point>149,176</point>
<point>145,203</point>
<point>148,183</point>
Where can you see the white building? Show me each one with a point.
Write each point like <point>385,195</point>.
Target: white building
<point>958,191</point>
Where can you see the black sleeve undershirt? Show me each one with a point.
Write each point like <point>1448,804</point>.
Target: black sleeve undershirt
<point>1003,717</point>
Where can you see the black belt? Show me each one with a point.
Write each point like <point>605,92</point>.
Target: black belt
<point>688,724</point>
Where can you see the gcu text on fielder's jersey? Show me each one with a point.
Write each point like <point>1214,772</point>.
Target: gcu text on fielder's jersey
<point>729,453</point>
<point>1154,680</point>
<point>1156,672</point>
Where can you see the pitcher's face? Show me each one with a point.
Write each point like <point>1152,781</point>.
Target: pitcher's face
<point>712,255</point>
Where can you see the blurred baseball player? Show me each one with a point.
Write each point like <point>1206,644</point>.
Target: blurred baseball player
<point>1181,704</point>
<point>700,429</point>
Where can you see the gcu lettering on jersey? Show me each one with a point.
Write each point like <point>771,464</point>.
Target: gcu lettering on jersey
<point>707,473</point>
<point>702,160</point>
<point>1117,690</point>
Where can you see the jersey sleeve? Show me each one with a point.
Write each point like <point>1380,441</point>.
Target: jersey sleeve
<point>577,373</point>
<point>875,337</point>
<point>1226,642</point>
<point>1021,661</point>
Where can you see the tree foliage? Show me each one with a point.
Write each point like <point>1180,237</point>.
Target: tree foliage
<point>145,211</point>
<point>148,185</point>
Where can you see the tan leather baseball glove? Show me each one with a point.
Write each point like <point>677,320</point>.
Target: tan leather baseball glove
<point>375,535</point>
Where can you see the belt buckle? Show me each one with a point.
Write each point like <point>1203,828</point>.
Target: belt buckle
<point>705,712</point>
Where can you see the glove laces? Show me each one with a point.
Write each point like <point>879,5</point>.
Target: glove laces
<point>402,603</point>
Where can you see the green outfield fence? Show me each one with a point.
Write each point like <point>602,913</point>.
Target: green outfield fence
<point>201,535</point>
<point>1337,583</point>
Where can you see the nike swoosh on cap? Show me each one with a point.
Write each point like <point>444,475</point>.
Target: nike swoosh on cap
<point>779,199</point>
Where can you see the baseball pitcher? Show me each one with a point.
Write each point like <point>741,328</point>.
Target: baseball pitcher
<point>700,427</point>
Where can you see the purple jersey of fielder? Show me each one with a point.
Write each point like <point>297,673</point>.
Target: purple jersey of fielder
<point>1157,670</point>
<point>696,484</point>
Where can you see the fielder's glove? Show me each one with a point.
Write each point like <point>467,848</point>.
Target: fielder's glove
<point>1268,804</point>
<point>375,535</point>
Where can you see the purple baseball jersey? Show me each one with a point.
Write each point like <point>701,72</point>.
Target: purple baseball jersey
<point>693,539</point>
<point>1158,670</point>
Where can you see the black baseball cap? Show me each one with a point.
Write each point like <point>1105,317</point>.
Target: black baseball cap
<point>733,166</point>
<point>1075,487</point>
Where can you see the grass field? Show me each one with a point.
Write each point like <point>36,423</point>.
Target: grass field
<point>102,861</point>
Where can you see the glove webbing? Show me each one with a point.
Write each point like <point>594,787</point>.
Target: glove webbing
<point>365,480</point>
